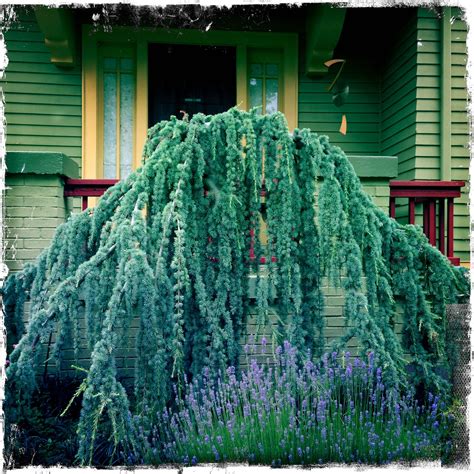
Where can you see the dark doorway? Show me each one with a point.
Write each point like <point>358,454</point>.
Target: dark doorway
<point>190,78</point>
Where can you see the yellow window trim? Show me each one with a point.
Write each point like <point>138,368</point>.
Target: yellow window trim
<point>242,40</point>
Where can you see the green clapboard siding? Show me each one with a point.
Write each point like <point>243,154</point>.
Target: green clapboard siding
<point>43,103</point>
<point>362,108</point>
<point>411,107</point>
<point>428,149</point>
<point>399,99</point>
<point>460,130</point>
<point>317,112</point>
<point>428,94</point>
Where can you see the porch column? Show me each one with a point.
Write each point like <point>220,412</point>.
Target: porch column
<point>35,203</point>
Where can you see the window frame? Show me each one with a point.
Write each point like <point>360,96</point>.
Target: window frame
<point>116,51</point>
<point>266,56</point>
<point>243,41</point>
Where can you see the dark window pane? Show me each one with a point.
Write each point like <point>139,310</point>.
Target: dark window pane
<point>190,78</point>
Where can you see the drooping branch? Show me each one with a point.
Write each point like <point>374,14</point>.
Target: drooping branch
<point>172,247</point>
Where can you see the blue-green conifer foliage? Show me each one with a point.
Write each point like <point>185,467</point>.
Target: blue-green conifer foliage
<point>170,245</point>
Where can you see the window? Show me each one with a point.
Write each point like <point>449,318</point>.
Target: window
<point>116,111</point>
<point>265,84</point>
<point>119,77</point>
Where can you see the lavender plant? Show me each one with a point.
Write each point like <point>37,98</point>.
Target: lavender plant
<point>337,411</point>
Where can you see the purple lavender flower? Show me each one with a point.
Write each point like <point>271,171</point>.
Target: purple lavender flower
<point>231,404</point>
<point>379,373</point>
<point>349,371</point>
<point>321,411</point>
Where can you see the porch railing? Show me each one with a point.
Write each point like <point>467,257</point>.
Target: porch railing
<point>86,188</point>
<point>436,197</point>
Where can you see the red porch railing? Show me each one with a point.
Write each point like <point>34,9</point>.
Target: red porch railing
<point>435,196</point>
<point>86,188</point>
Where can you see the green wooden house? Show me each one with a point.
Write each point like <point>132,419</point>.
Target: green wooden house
<point>84,84</point>
<point>82,87</point>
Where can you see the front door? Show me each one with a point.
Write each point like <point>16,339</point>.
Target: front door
<point>190,79</point>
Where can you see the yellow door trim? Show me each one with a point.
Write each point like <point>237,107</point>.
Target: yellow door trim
<point>242,40</point>
<point>141,104</point>
<point>89,108</point>
<point>241,77</point>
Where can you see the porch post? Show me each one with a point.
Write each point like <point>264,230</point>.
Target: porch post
<point>35,203</point>
<point>441,225</point>
<point>450,227</point>
<point>432,221</point>
<point>411,213</point>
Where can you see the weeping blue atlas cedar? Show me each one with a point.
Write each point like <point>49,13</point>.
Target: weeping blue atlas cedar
<point>170,245</point>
